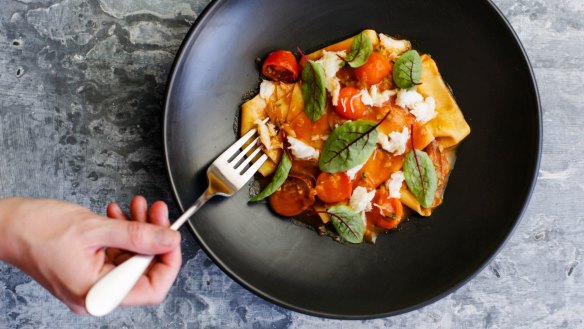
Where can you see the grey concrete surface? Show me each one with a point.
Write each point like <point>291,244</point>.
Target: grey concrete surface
<point>81,86</point>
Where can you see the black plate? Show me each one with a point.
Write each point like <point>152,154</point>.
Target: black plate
<point>484,63</point>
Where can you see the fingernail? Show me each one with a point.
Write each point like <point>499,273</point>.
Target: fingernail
<point>166,237</point>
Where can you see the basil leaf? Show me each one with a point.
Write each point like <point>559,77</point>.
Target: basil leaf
<point>279,178</point>
<point>313,90</point>
<point>420,176</point>
<point>348,223</point>
<point>348,146</point>
<point>407,70</point>
<point>361,48</point>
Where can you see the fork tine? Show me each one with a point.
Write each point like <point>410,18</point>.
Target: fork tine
<point>248,159</point>
<point>254,168</point>
<point>244,152</point>
<point>237,145</point>
<point>228,153</point>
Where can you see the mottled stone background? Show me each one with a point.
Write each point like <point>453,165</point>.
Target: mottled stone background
<point>81,85</point>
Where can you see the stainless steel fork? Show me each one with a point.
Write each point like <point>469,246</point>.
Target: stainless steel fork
<point>226,175</point>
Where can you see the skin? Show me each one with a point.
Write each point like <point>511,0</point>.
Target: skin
<point>67,248</point>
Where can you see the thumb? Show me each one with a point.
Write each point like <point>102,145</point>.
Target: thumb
<point>138,237</point>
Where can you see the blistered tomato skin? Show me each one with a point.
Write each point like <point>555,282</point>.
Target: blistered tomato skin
<point>332,188</point>
<point>292,198</point>
<point>281,65</point>
<point>374,70</point>
<point>388,212</point>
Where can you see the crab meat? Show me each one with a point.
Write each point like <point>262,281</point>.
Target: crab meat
<point>394,47</point>
<point>300,150</point>
<point>395,142</point>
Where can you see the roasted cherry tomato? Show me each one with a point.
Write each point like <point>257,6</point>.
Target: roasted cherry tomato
<point>374,70</point>
<point>332,188</point>
<point>281,65</point>
<point>387,212</point>
<point>350,105</point>
<point>292,198</point>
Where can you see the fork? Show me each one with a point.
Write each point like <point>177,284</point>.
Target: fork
<point>226,175</point>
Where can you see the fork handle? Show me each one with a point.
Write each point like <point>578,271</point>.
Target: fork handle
<point>192,209</point>
<point>109,291</point>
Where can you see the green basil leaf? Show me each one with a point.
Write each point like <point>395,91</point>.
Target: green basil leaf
<point>279,178</point>
<point>348,146</point>
<point>407,70</point>
<point>361,48</point>
<point>348,223</point>
<point>420,176</point>
<point>313,90</point>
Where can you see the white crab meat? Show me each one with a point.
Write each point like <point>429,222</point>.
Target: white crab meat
<point>395,47</point>
<point>395,142</point>
<point>423,109</point>
<point>394,184</point>
<point>373,97</point>
<point>267,88</point>
<point>302,151</point>
<point>331,62</point>
<point>266,131</point>
<point>361,199</point>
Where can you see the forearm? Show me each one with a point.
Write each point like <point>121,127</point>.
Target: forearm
<point>9,209</point>
<point>4,234</point>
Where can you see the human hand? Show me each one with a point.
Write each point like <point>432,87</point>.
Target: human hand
<point>67,248</point>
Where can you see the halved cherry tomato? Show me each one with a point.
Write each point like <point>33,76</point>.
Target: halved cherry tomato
<point>350,105</point>
<point>281,65</point>
<point>374,70</point>
<point>333,188</point>
<point>292,198</point>
<point>387,212</point>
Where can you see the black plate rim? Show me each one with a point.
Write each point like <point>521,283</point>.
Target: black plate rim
<point>194,30</point>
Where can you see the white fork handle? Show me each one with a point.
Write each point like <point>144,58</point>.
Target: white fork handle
<point>109,291</point>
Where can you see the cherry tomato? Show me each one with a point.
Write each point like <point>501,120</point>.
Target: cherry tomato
<point>350,105</point>
<point>333,188</point>
<point>281,65</point>
<point>374,70</point>
<point>388,212</point>
<point>292,198</point>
